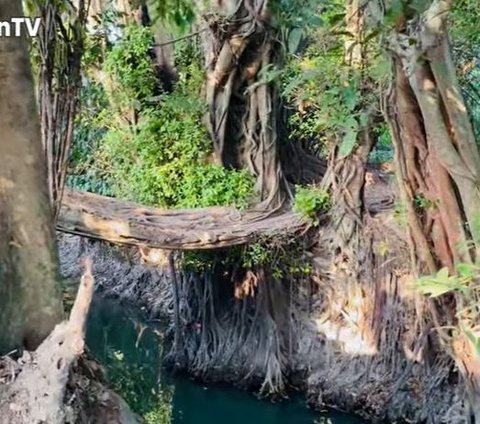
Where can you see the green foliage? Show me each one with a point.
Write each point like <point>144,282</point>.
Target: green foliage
<point>201,261</point>
<point>310,201</point>
<point>256,254</point>
<point>294,19</point>
<point>383,150</point>
<point>283,257</point>
<point>442,282</point>
<point>160,414</point>
<point>84,172</point>
<point>162,159</point>
<point>326,97</point>
<point>466,51</point>
<point>133,384</point>
<point>131,68</point>
<point>331,99</point>
<point>179,14</point>
<point>423,203</point>
<point>465,283</point>
<point>464,25</point>
<point>279,254</point>
<point>210,185</point>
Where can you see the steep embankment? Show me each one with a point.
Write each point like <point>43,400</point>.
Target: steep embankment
<point>369,348</point>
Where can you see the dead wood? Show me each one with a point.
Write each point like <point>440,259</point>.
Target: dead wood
<point>123,222</point>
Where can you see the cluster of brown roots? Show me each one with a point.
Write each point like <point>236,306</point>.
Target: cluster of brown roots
<point>239,333</point>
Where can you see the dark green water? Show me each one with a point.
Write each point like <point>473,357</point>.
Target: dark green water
<point>131,348</point>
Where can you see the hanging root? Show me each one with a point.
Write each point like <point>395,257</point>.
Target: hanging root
<point>37,393</point>
<point>231,332</point>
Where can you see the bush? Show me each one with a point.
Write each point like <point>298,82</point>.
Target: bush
<point>162,158</point>
<point>130,66</point>
<point>163,162</point>
<point>310,201</point>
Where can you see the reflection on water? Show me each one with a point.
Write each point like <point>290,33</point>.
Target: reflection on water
<point>131,351</point>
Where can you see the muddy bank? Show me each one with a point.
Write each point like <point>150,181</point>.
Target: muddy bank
<point>370,356</point>
<point>119,273</point>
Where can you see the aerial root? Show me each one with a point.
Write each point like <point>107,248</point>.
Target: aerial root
<point>223,337</point>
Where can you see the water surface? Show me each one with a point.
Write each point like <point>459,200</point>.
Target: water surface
<point>131,349</point>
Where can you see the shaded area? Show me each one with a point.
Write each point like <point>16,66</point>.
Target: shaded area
<point>131,349</point>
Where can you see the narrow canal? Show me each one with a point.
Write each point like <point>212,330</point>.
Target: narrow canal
<point>131,349</point>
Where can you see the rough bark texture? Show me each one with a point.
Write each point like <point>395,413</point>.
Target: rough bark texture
<point>364,353</point>
<point>128,223</point>
<point>121,273</point>
<point>124,222</point>
<point>37,385</point>
<point>438,169</point>
<point>30,302</point>
<point>243,104</point>
<point>60,47</point>
<point>37,394</point>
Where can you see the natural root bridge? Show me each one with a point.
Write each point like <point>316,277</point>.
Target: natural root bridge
<point>118,221</point>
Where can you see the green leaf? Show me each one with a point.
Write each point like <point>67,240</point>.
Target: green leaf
<point>294,39</point>
<point>442,274</point>
<point>466,270</point>
<point>441,283</point>
<point>348,143</point>
<point>336,18</point>
<point>351,124</point>
<point>364,118</point>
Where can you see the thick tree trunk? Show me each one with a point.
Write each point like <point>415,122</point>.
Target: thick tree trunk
<point>243,105</point>
<point>345,179</point>
<point>438,165</point>
<point>30,300</point>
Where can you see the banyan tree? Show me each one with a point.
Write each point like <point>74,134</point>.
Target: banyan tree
<point>243,105</point>
<point>438,167</point>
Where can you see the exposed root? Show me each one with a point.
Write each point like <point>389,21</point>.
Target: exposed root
<point>35,393</point>
<point>236,331</point>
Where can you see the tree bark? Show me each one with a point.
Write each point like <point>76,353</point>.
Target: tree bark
<point>61,50</point>
<point>243,104</point>
<point>345,178</point>
<point>30,299</point>
<point>123,222</point>
<point>438,166</point>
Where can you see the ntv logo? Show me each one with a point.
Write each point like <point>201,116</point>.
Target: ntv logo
<point>13,28</point>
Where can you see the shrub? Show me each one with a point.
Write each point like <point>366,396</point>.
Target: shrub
<point>160,159</point>
<point>310,201</point>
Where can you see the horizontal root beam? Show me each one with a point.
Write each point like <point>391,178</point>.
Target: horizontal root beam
<point>123,222</point>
